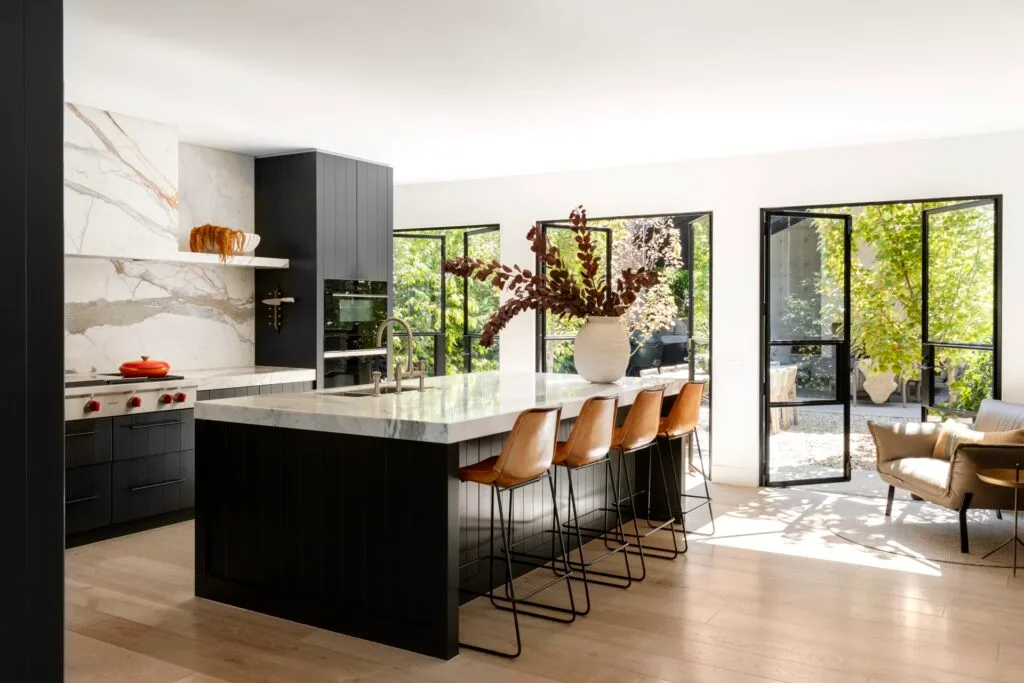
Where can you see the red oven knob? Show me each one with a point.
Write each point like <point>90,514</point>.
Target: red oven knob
<point>135,402</point>
<point>180,397</point>
<point>166,399</point>
<point>92,406</point>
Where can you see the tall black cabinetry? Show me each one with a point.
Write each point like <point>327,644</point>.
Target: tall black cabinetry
<point>333,217</point>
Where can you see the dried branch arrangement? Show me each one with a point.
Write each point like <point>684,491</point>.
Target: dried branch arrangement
<point>558,288</point>
<point>215,239</point>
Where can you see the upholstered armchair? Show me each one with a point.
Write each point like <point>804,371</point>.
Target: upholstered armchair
<point>934,464</point>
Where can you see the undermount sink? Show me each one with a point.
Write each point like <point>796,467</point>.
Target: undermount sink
<point>384,390</point>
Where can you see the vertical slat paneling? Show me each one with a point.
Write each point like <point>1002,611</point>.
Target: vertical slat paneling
<point>362,217</point>
<point>351,217</point>
<point>339,253</point>
<point>329,223</point>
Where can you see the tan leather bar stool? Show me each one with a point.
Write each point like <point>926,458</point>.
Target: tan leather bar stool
<point>525,458</point>
<point>587,446</point>
<point>681,423</point>
<point>638,432</point>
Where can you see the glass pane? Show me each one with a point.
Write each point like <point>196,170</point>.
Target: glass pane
<point>803,373</point>
<point>564,239</point>
<point>701,276</point>
<point>559,357</point>
<point>483,359</point>
<point>806,263</point>
<point>961,280</point>
<point>424,348</point>
<point>806,443</point>
<point>963,377</point>
<point>418,282</point>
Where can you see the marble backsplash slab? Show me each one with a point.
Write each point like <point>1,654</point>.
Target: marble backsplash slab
<point>217,187</point>
<point>122,180</point>
<point>120,184</point>
<point>190,316</point>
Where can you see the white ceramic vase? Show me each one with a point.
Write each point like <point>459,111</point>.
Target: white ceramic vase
<point>601,350</point>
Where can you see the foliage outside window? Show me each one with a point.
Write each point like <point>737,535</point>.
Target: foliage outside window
<point>886,291</point>
<point>418,277</point>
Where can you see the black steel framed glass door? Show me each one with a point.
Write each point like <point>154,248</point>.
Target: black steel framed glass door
<point>805,384</point>
<point>479,300</point>
<point>420,298</point>
<point>960,307</point>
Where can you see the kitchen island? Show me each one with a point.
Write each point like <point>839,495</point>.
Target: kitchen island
<point>346,512</point>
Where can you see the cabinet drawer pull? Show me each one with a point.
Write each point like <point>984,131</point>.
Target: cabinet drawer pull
<point>155,424</point>
<point>68,436</point>
<point>80,500</point>
<point>153,486</point>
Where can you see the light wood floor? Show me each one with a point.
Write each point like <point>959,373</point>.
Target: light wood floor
<point>722,613</point>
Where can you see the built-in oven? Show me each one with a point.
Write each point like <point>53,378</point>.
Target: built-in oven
<point>353,310</point>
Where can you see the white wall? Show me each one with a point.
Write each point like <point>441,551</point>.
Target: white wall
<point>735,189</point>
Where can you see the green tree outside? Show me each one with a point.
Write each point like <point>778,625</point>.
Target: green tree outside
<point>886,290</point>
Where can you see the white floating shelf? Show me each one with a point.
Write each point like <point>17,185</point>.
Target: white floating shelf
<point>198,259</point>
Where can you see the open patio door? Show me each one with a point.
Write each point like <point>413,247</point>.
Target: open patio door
<point>959,308</point>
<point>806,361</point>
<point>479,300</point>
<point>420,298</point>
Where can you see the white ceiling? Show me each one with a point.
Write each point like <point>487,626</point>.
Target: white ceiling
<point>445,89</point>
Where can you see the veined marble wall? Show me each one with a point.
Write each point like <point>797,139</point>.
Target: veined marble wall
<point>120,184</point>
<point>122,180</point>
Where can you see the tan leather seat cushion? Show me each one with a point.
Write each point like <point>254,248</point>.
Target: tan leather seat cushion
<point>930,473</point>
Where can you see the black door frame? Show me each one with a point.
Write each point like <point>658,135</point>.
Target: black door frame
<point>469,337</point>
<point>540,357</point>
<point>997,321</point>
<point>842,350</point>
<point>440,346</point>
<point>929,346</point>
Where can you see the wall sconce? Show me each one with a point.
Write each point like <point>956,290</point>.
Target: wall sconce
<point>276,313</point>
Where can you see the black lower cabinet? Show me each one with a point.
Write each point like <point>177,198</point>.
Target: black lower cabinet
<point>154,485</point>
<point>87,503</point>
<point>128,473</point>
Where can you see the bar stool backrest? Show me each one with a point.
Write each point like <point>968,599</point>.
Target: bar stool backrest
<point>642,421</point>
<point>528,451</point>
<point>591,436</point>
<point>685,413</point>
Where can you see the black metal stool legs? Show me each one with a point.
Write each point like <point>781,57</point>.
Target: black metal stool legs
<point>680,483</point>
<point>667,525</point>
<point>510,603</point>
<point>585,566</point>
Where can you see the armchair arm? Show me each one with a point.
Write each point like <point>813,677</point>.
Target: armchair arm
<point>971,457</point>
<point>910,440</point>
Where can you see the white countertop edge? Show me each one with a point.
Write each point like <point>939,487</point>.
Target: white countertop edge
<point>230,378</point>
<point>261,411</point>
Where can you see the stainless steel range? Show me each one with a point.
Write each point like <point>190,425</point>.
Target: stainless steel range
<point>108,395</point>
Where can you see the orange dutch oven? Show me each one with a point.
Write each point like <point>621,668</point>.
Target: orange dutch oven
<point>144,368</point>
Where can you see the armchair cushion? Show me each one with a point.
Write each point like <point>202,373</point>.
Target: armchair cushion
<point>951,434</point>
<point>926,473</point>
<point>909,440</point>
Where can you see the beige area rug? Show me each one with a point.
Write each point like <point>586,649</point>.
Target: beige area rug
<point>852,528</point>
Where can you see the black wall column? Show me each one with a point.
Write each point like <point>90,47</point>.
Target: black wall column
<point>32,339</point>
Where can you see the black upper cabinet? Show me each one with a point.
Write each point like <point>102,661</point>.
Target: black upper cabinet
<point>333,217</point>
<point>355,200</point>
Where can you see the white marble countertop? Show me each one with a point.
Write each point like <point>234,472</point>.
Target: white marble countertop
<point>247,376</point>
<point>454,408</point>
